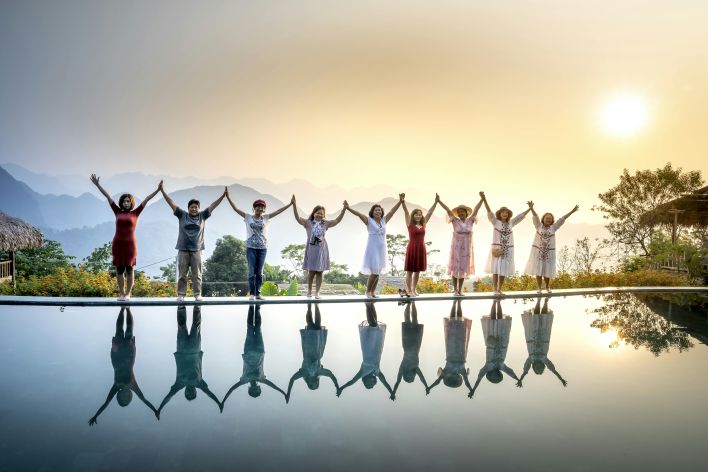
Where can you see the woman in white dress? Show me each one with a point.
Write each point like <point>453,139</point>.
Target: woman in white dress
<point>538,324</point>
<point>372,335</point>
<point>500,262</point>
<point>375,254</point>
<point>496,329</point>
<point>542,260</point>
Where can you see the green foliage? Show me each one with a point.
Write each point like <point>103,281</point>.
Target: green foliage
<point>269,289</point>
<point>643,278</point>
<point>44,260</point>
<point>275,273</point>
<point>169,272</point>
<point>338,274</point>
<point>293,288</point>
<point>639,194</point>
<point>295,255</point>
<point>227,263</point>
<point>396,245</point>
<point>78,282</point>
<point>100,260</point>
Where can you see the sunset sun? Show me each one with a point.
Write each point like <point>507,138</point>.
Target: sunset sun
<point>624,115</point>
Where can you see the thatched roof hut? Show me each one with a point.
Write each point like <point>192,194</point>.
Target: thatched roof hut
<point>16,234</point>
<point>688,210</point>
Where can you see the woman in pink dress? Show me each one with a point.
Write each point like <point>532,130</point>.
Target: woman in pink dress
<point>416,254</point>
<point>461,262</point>
<point>124,247</point>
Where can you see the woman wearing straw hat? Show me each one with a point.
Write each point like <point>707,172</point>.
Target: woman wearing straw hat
<point>461,262</point>
<point>500,262</point>
<point>256,241</point>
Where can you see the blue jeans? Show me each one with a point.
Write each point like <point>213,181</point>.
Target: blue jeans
<point>256,261</point>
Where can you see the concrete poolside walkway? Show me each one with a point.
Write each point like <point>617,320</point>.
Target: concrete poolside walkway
<point>100,301</point>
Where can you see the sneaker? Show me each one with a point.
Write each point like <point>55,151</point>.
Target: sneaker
<point>198,298</point>
<point>180,298</point>
<point>258,297</point>
<point>251,297</point>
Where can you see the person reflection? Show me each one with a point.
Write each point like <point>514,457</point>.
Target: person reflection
<point>538,323</point>
<point>188,359</point>
<point>253,357</point>
<point>457,338</point>
<point>412,338</point>
<point>123,360</point>
<point>496,329</point>
<point>371,338</point>
<point>313,339</point>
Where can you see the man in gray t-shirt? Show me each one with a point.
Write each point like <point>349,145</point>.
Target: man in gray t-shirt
<point>190,242</point>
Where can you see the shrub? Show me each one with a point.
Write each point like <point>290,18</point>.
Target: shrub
<point>269,289</point>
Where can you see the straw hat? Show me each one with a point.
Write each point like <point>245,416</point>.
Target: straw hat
<point>456,210</point>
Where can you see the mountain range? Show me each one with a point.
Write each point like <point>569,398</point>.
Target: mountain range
<point>83,222</point>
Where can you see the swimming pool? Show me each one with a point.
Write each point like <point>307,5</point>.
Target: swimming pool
<point>634,367</point>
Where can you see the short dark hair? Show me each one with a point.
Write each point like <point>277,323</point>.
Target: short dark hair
<point>129,197</point>
<point>373,207</point>
<point>193,201</point>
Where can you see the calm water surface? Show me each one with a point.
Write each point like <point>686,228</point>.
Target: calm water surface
<point>616,382</point>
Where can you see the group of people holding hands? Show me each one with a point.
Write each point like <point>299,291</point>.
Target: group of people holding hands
<point>190,242</point>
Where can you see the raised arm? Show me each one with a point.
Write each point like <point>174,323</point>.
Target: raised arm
<point>350,383</point>
<point>398,380</point>
<point>240,213</point>
<point>96,181</point>
<point>273,386</point>
<point>422,377</point>
<point>168,199</point>
<point>392,211</point>
<point>111,393</point>
<point>216,202</point>
<point>466,378</point>
<point>296,375</point>
<point>328,373</point>
<point>430,212</point>
<point>204,387</point>
<point>517,219</point>
<point>482,371</point>
<point>534,215</point>
<point>484,200</point>
<point>279,211</point>
<point>338,219</point>
<point>406,213</point>
<point>527,366</point>
<point>437,381</point>
<point>134,387</point>
<point>382,378</point>
<point>450,214</point>
<point>151,196</point>
<point>234,387</point>
<point>562,219</point>
<point>173,390</point>
<point>552,368</point>
<point>475,210</point>
<point>364,219</point>
<point>510,371</point>
<point>297,215</point>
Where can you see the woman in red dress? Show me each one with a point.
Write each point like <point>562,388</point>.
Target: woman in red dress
<point>125,248</point>
<point>416,253</point>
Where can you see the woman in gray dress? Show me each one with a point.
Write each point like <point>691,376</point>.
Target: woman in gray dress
<point>316,259</point>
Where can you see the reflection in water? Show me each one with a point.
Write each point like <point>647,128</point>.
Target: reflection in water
<point>457,338</point>
<point>538,323</point>
<point>313,339</point>
<point>123,354</point>
<point>412,339</point>
<point>188,359</point>
<point>371,338</point>
<point>636,324</point>
<point>253,357</point>
<point>496,329</point>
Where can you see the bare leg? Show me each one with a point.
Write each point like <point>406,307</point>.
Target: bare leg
<point>538,283</point>
<point>121,286</point>
<point>495,283</point>
<point>459,309</point>
<point>318,283</point>
<point>310,277</point>
<point>415,313</point>
<point>374,284</point>
<point>318,316</point>
<point>547,281</point>
<point>130,281</point>
<point>409,283</point>
<point>369,285</point>
<point>460,282</point>
<point>416,276</point>
<point>407,313</point>
<point>501,282</point>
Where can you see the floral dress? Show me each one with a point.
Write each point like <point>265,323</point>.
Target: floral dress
<point>542,260</point>
<point>461,262</point>
<point>503,241</point>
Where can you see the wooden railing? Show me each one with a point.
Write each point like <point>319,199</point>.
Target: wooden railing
<point>675,262</point>
<point>5,269</point>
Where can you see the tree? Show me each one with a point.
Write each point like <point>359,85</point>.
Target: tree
<point>44,260</point>
<point>295,255</point>
<point>396,245</point>
<point>565,261</point>
<point>639,194</point>
<point>169,272</point>
<point>586,254</point>
<point>100,260</point>
<point>227,264</point>
<point>275,273</point>
<point>339,274</point>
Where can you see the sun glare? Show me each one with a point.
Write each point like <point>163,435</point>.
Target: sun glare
<point>624,115</point>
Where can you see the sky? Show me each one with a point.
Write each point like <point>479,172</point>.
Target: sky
<point>446,96</point>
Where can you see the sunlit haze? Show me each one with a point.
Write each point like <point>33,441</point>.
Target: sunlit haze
<point>453,97</point>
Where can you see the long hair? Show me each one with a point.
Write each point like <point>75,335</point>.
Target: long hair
<point>129,197</point>
<point>422,216</point>
<point>315,210</point>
